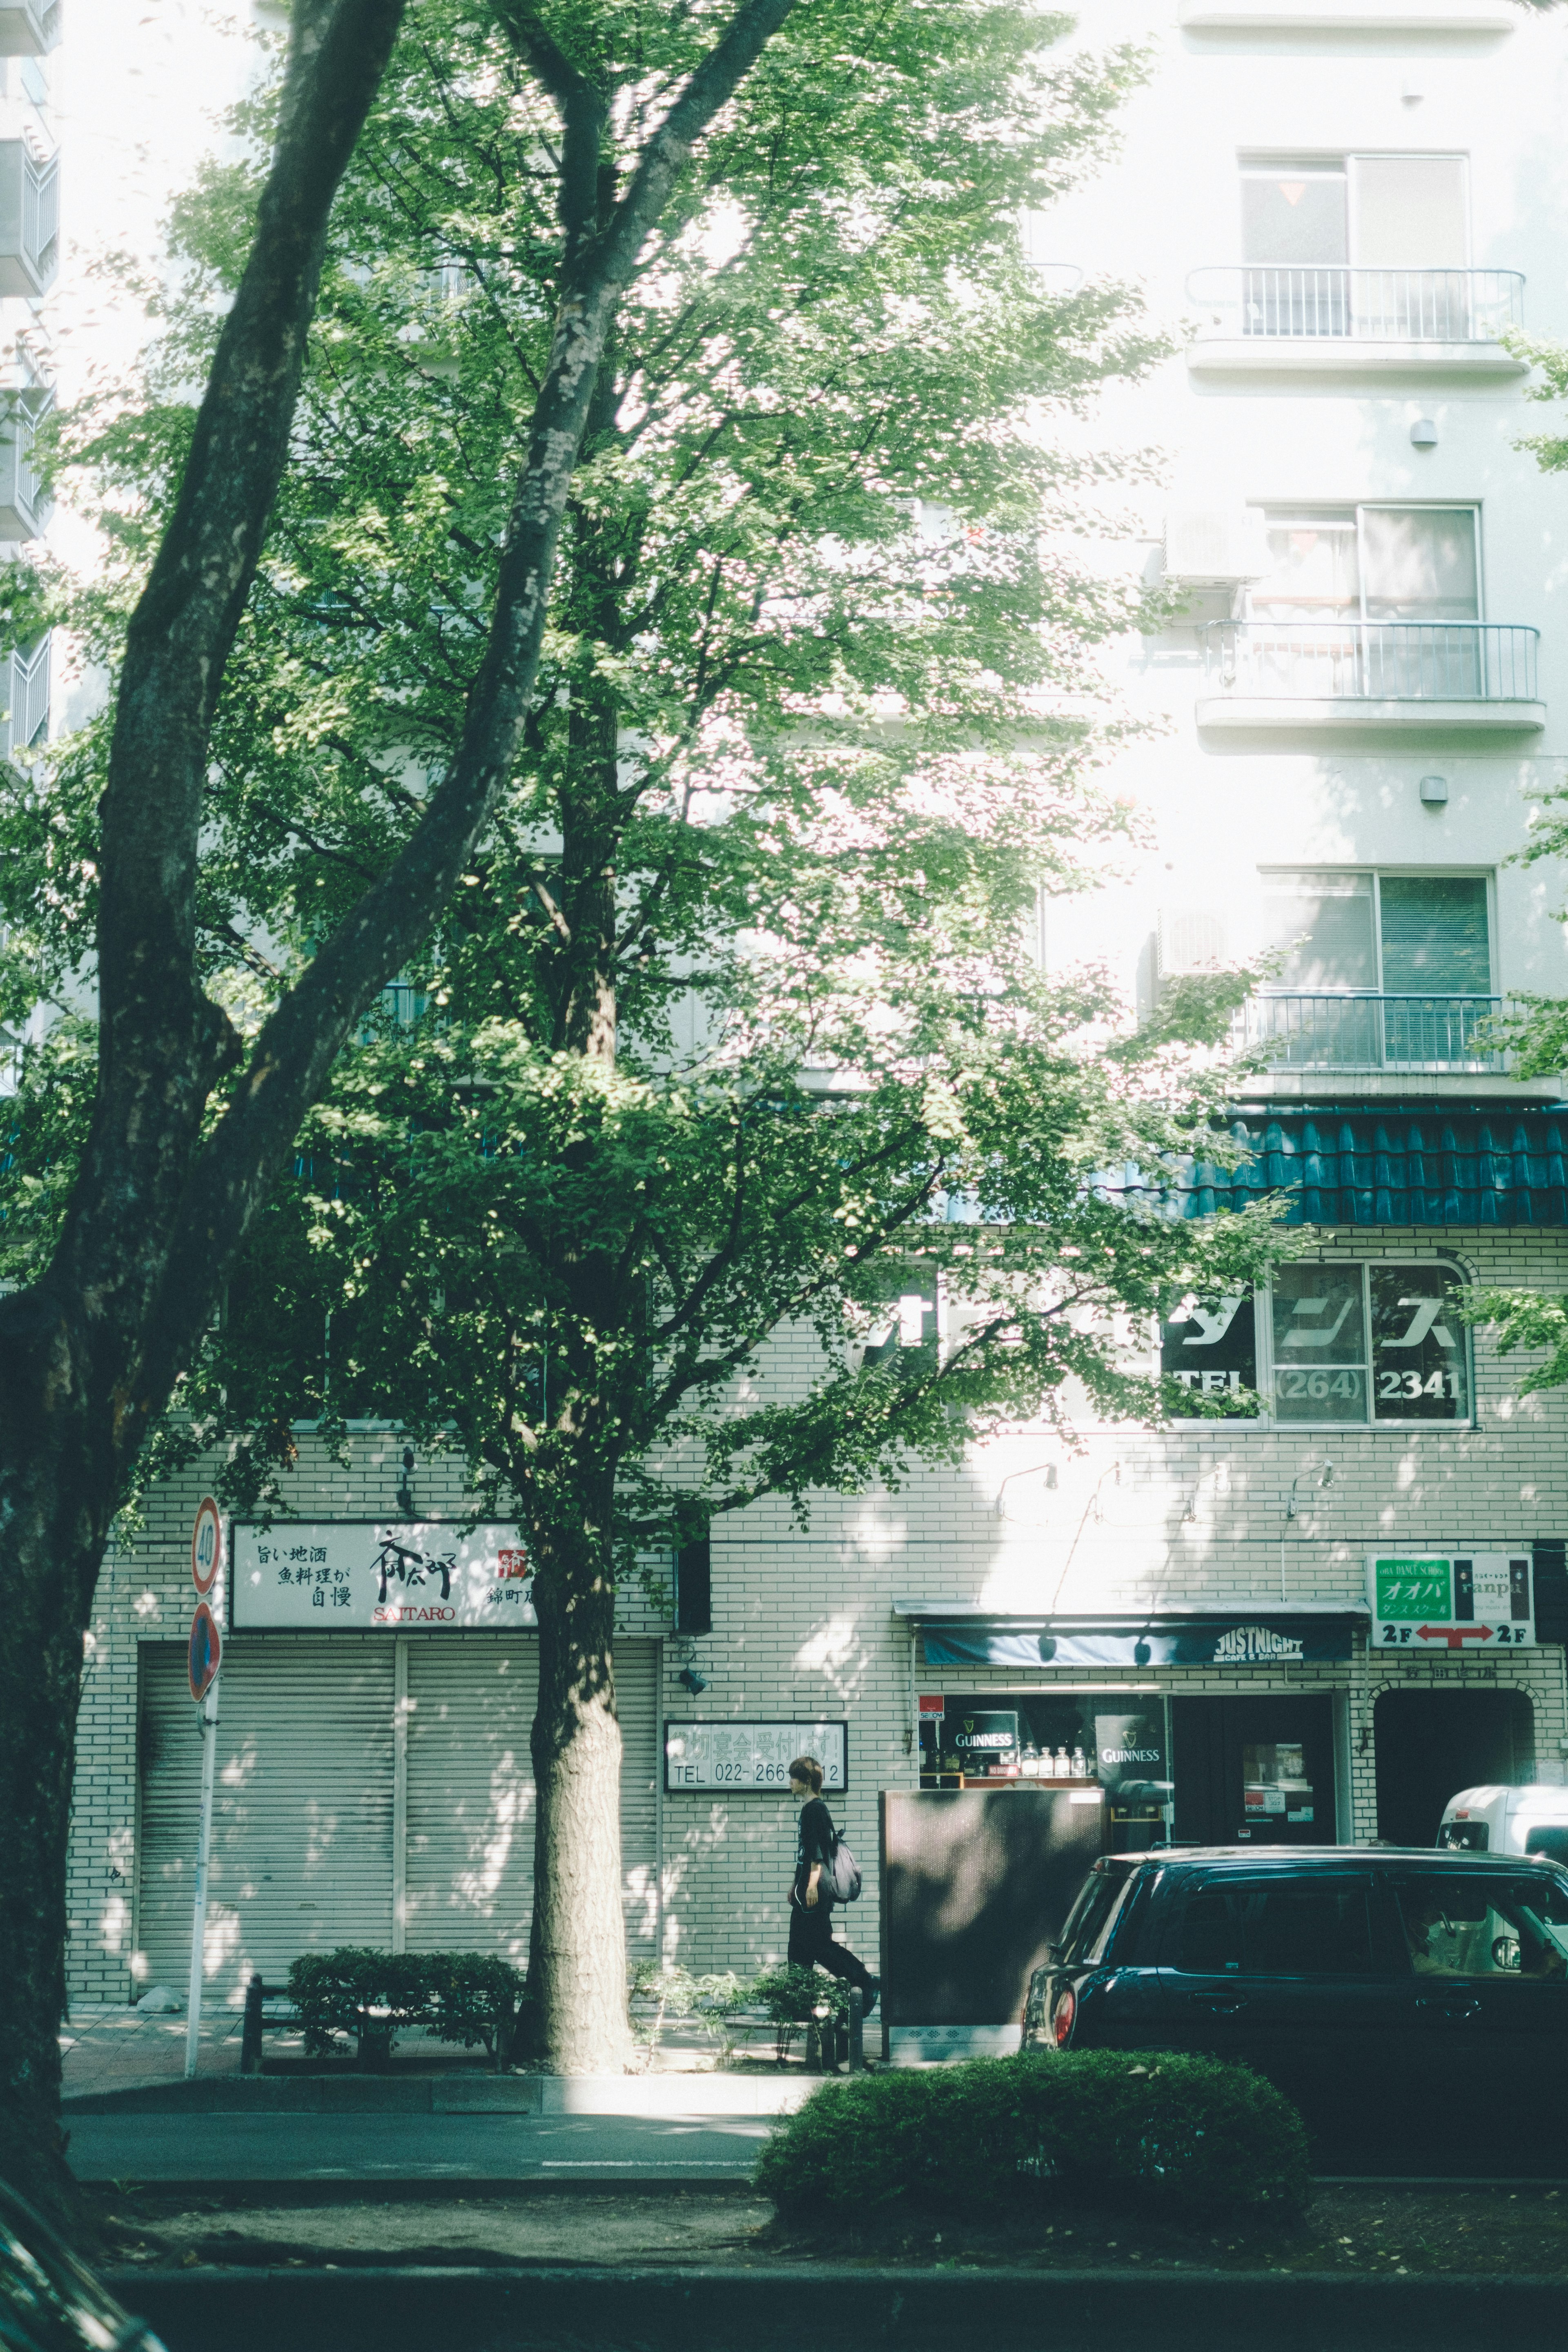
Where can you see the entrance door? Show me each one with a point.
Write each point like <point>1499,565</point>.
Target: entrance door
<point>1254,1771</point>
<point>1433,1743</point>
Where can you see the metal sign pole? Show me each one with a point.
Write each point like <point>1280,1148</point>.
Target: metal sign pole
<point>207,1722</point>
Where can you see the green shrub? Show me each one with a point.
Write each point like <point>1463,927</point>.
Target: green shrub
<point>674,1992</point>
<point>1189,2135</point>
<point>465,1997</point>
<point>794,1997</point>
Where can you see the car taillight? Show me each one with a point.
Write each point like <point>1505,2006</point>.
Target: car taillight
<point>1062,2017</point>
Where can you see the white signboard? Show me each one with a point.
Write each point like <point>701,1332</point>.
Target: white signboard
<point>1432,1604</point>
<point>374,1575</point>
<point>753,1756</point>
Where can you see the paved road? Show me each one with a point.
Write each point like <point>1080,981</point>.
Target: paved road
<point>376,2147</point>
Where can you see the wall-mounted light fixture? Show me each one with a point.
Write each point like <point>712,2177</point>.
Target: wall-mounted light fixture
<point>1321,1477</point>
<point>1423,434</point>
<point>689,1679</point>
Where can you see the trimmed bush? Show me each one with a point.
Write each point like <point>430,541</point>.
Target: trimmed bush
<point>1173,2134</point>
<point>465,1997</point>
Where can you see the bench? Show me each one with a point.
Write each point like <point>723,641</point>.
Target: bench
<point>257,2022</point>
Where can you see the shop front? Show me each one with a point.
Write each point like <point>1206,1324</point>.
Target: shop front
<point>1200,1767</point>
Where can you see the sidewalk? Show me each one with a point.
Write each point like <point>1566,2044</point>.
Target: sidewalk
<point>118,2062</point>
<point>469,2151</point>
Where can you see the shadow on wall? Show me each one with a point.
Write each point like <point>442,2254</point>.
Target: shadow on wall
<point>978,1882</point>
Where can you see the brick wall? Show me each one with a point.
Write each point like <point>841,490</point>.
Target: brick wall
<point>803,1624</point>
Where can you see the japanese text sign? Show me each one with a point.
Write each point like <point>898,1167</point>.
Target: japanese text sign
<point>375,1575</point>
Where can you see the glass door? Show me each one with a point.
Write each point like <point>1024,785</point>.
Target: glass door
<point>1254,1771</point>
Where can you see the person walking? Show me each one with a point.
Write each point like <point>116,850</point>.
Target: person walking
<point>811,1943</point>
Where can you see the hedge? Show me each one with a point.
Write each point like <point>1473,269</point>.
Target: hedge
<point>465,1997</point>
<point>1188,2135</point>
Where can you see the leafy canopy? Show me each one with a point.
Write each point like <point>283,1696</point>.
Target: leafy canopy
<point>732,1038</point>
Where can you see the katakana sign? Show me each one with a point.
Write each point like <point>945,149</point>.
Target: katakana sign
<point>1437,1605</point>
<point>379,1575</point>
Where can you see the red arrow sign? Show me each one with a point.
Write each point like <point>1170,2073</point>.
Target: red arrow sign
<point>1453,1634</point>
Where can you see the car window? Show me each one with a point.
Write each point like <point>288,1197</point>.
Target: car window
<point>1291,1926</point>
<point>1550,1838</point>
<point>1094,1915</point>
<point>1459,1923</point>
<point>1468,1837</point>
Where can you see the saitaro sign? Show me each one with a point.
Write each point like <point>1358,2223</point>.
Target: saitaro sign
<point>206,1652</point>
<point>207,1545</point>
<point>1433,1605</point>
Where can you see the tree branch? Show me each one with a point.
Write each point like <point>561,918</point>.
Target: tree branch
<point>298,1044</point>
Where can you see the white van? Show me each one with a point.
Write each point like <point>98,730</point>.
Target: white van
<point>1508,1820</point>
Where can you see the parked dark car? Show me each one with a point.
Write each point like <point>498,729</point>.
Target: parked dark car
<point>1413,2003</point>
<point>49,2300</point>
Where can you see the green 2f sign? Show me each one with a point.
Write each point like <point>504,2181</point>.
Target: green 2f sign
<point>1426,1605</point>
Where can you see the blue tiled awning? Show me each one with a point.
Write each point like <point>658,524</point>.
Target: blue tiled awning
<point>1475,1165</point>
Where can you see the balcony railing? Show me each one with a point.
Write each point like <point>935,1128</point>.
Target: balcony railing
<point>30,220</point>
<point>24,682</point>
<point>24,505</point>
<point>1295,302</point>
<point>28,28</point>
<point>1408,1034</point>
<point>1378,661</point>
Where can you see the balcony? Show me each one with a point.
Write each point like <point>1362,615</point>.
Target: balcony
<point>1411,1035</point>
<point>25,681</point>
<point>1321,317</point>
<point>1357,675</point>
<point>1352,17</point>
<point>30,220</point>
<point>28,28</point>
<point>24,505</point>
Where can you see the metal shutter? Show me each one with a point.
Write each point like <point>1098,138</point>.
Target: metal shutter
<point>637,1700</point>
<point>469,1868</point>
<point>302,1817</point>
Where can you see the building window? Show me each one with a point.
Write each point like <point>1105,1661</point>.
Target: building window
<point>1368,246</point>
<point>1371,212</point>
<point>1344,1344</point>
<point>1343,564</point>
<point>1393,934</point>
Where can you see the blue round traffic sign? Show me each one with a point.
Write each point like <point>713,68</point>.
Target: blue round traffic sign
<point>207,1650</point>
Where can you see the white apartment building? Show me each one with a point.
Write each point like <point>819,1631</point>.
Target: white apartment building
<point>1341,208</point>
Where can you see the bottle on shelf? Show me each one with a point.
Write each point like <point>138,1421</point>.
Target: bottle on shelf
<point>1079,1765</point>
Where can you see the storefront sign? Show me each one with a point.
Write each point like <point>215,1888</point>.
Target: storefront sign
<point>1212,1352</point>
<point>378,1575</point>
<point>753,1757</point>
<point>1426,1605</point>
<point>1197,1642</point>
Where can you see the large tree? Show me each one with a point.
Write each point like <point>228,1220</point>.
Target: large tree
<point>193,1115</point>
<point>732,1035</point>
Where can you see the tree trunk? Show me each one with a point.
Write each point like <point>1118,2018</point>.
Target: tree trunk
<point>577,1950</point>
<point>56,1502</point>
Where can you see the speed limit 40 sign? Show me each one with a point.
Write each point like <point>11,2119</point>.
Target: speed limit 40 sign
<point>207,1545</point>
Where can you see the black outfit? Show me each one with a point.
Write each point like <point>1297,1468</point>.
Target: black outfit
<point>811,1943</point>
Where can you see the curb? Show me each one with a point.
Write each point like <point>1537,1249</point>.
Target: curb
<point>657,2096</point>
<point>767,2309</point>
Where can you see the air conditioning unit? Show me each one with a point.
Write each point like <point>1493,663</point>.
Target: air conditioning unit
<point>1189,939</point>
<point>1214,546</point>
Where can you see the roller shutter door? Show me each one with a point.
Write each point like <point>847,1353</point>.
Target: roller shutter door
<point>302,1813</point>
<point>469,1868</point>
<point>636,1698</point>
<point>302,1821</point>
